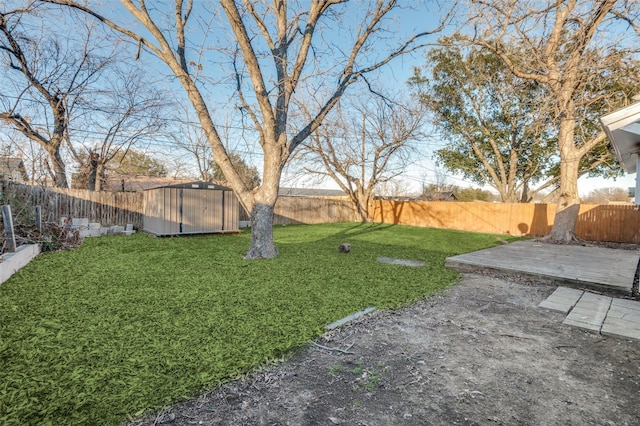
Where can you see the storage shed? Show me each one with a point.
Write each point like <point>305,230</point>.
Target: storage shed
<point>190,208</point>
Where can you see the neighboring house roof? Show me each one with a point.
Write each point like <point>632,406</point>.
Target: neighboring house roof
<point>623,131</point>
<point>140,183</point>
<point>394,198</point>
<point>441,196</point>
<point>310,192</point>
<point>13,168</point>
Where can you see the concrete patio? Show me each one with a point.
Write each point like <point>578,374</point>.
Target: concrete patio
<point>602,269</point>
<point>609,271</point>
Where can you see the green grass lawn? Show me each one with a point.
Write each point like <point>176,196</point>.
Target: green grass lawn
<point>126,324</point>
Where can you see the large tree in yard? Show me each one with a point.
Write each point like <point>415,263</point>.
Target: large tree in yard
<point>495,124</point>
<point>42,78</point>
<point>71,91</point>
<point>363,147</point>
<point>572,49</point>
<point>278,53</point>
<point>120,115</point>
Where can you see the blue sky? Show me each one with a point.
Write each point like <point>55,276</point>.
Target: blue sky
<point>416,16</point>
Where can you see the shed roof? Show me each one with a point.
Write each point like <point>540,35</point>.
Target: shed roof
<point>623,131</point>
<point>194,185</point>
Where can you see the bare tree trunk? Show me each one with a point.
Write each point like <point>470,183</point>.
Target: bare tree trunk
<point>506,194</point>
<point>524,198</point>
<point>262,245</point>
<point>363,212</point>
<point>362,204</point>
<point>98,181</point>
<point>512,197</point>
<point>59,169</point>
<point>91,180</point>
<point>261,206</point>
<point>564,223</point>
<point>92,174</point>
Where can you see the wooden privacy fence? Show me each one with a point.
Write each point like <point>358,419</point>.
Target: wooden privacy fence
<point>106,208</point>
<point>295,210</point>
<point>121,208</point>
<point>307,210</point>
<point>595,222</point>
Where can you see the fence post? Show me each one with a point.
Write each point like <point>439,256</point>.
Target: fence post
<point>39,218</point>
<point>8,228</point>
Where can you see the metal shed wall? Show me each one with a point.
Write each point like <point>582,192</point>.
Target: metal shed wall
<point>180,210</point>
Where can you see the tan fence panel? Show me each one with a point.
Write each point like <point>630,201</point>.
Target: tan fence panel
<point>595,222</point>
<point>513,219</point>
<point>609,223</point>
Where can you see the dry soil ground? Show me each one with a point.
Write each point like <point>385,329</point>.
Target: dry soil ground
<point>481,353</point>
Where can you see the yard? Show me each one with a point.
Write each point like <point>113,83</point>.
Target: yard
<point>122,325</point>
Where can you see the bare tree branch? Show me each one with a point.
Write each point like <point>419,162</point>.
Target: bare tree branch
<point>361,153</point>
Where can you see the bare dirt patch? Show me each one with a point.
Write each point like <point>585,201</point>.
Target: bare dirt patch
<point>481,353</point>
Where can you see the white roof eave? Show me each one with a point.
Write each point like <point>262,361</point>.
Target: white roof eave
<point>622,128</point>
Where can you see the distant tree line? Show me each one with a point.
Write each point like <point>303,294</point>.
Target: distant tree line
<point>431,191</point>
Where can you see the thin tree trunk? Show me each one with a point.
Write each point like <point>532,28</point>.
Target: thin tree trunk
<point>99,172</point>
<point>524,198</point>
<point>59,169</point>
<point>92,175</point>
<point>91,179</point>
<point>362,196</point>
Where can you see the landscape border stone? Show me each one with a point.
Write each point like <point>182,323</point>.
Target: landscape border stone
<point>13,262</point>
<point>403,262</point>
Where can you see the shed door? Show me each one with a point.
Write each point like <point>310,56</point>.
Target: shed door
<point>201,210</point>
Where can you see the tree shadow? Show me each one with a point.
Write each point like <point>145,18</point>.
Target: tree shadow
<point>539,226</point>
